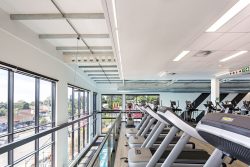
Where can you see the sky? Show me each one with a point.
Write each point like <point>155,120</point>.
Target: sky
<point>24,88</point>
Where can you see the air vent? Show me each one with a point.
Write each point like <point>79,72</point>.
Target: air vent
<point>203,53</point>
<point>171,73</point>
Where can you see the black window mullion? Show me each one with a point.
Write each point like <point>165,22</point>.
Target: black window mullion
<point>88,118</point>
<point>79,113</point>
<point>10,113</point>
<point>53,110</point>
<point>37,101</point>
<point>84,112</point>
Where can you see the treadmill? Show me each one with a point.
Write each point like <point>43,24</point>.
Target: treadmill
<point>141,157</point>
<point>154,139</point>
<point>144,127</point>
<point>229,133</point>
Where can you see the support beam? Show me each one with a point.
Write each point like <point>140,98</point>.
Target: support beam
<point>88,54</point>
<point>103,66</point>
<point>52,16</point>
<point>215,90</point>
<point>89,71</point>
<point>103,75</point>
<point>65,36</point>
<point>84,48</point>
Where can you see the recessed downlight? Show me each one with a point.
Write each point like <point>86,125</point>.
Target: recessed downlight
<point>240,5</point>
<point>233,56</point>
<point>181,55</point>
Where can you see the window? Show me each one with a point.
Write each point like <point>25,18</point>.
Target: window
<point>94,112</point>
<point>3,114</point>
<point>78,134</point>
<point>111,105</point>
<point>30,100</point>
<point>138,99</point>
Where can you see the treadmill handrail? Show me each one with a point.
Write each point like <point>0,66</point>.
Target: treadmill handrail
<point>180,124</point>
<point>155,115</point>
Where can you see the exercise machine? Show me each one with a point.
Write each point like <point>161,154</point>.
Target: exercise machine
<point>210,108</point>
<point>141,157</point>
<point>230,134</point>
<point>154,139</point>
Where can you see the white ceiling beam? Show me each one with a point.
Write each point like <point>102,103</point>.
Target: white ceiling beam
<point>88,54</point>
<point>103,75</point>
<point>66,36</point>
<point>84,48</point>
<point>97,66</point>
<point>96,78</point>
<point>97,71</point>
<point>51,16</point>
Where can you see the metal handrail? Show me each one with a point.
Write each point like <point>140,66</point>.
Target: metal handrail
<point>15,144</point>
<point>98,151</point>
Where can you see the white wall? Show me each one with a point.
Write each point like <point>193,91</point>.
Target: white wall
<point>21,47</point>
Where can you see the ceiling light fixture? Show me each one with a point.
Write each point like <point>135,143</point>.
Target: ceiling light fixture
<point>117,37</point>
<point>181,55</point>
<point>228,15</point>
<point>233,56</point>
<point>114,10</point>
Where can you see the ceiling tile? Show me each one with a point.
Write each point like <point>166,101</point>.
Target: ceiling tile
<point>222,41</point>
<point>238,43</point>
<point>204,40</point>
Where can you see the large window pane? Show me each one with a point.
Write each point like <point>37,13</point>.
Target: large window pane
<point>3,113</point>
<point>81,138</point>
<point>45,158</point>
<point>24,102</point>
<point>81,103</point>
<point>45,112</point>
<point>28,162</point>
<point>24,150</point>
<point>70,140</point>
<point>70,102</point>
<point>76,93</point>
<point>4,159</point>
<point>3,104</point>
<point>75,143</point>
<point>106,102</point>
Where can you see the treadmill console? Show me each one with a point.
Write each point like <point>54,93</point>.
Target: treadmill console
<point>229,133</point>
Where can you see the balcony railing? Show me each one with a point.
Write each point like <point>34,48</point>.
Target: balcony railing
<point>105,154</point>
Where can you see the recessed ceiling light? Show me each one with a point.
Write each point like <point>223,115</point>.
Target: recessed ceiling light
<point>228,15</point>
<point>114,10</point>
<point>233,56</point>
<point>181,55</point>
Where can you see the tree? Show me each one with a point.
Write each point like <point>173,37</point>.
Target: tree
<point>26,106</point>
<point>3,111</point>
<point>43,121</point>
